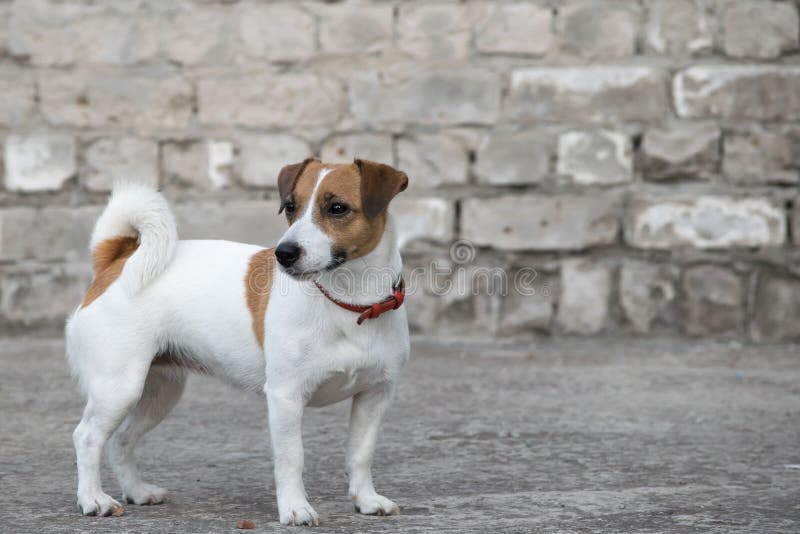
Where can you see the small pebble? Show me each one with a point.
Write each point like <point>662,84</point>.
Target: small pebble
<point>118,511</point>
<point>245,524</point>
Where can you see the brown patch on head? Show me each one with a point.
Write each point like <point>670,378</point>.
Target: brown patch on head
<point>257,286</point>
<point>108,259</point>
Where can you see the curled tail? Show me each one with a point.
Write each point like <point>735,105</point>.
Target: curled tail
<point>137,224</point>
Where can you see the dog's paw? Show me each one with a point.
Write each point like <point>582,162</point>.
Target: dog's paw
<point>299,513</point>
<point>145,494</point>
<point>375,504</point>
<point>99,504</point>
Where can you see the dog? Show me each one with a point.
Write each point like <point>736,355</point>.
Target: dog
<point>314,321</point>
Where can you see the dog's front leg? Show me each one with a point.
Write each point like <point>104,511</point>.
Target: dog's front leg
<point>365,418</point>
<point>285,427</point>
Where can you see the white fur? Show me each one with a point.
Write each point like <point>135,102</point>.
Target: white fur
<point>314,352</point>
<point>139,210</point>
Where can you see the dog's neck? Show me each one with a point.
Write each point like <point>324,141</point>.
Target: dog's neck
<point>370,278</point>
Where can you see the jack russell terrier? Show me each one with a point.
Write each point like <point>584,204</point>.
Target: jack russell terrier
<point>327,324</point>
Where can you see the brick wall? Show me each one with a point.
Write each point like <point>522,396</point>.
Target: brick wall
<point>624,167</point>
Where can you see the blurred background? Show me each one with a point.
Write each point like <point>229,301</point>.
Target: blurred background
<point>636,160</point>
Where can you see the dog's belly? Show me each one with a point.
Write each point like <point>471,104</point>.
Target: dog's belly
<point>343,384</point>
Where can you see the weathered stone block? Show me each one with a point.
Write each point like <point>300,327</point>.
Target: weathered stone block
<point>678,27</point>
<point>437,31</point>
<point>275,32</point>
<point>350,27</point>
<point>193,34</point>
<point>585,291</point>
<point>43,294</point>
<point>38,162</point>
<point>114,99</point>
<point>760,29</point>
<point>431,161</point>
<point>739,92</point>
<point>528,307</point>
<point>119,158</point>
<point>514,157</point>
<point>684,151</point>
<point>442,97</point>
<point>590,93</point>
<point>46,233</point>
<point>759,157</point>
<point>706,222</point>
<point>345,148</point>
<point>538,222</point>
<point>52,33</point>
<point>599,30</point>
<point>202,164</point>
<point>423,218</point>
<point>776,308</point>
<point>647,294</point>
<point>18,102</point>
<point>713,301</point>
<point>288,100</point>
<point>598,157</point>
<point>262,156</point>
<point>256,222</point>
<point>517,28</point>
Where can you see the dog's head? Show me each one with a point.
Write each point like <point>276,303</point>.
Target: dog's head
<point>336,213</point>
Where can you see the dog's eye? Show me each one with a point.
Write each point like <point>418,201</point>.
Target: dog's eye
<point>289,207</point>
<point>337,208</point>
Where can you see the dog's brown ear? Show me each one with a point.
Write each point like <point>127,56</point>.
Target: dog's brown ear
<point>379,184</point>
<point>287,179</point>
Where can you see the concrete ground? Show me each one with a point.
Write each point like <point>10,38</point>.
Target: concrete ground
<point>559,436</point>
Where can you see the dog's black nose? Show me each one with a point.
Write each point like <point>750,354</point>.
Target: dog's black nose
<point>288,253</point>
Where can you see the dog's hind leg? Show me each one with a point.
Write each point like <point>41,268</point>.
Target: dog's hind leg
<point>113,389</point>
<point>162,390</point>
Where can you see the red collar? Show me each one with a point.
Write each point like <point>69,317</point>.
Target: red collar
<point>392,302</point>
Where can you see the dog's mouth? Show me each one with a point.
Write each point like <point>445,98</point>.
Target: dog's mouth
<point>337,260</point>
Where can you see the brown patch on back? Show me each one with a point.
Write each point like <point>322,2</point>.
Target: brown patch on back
<point>108,259</point>
<point>257,286</point>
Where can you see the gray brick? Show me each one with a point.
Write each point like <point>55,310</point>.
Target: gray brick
<point>713,301</point>
<point>437,30</point>
<point>255,222</point>
<point>193,34</point>
<point>587,93</point>
<point>349,27</point>
<point>119,158</point>
<point>260,100</point>
<point>276,32</point>
<point>84,98</point>
<point>204,165</point>
<point>262,156</point>
<point>432,161</point>
<point>345,148</point>
<point>46,233</point>
<point>584,298</point>
<point>760,157</point>
<point>19,94</point>
<point>515,28</point>
<point>759,29</point>
<point>435,98</point>
<point>431,219</point>
<point>38,162</point>
<point>678,27</point>
<point>596,157</point>
<point>775,308</point>
<point>739,92</point>
<point>539,222</point>
<point>42,295</point>
<point>647,294</point>
<point>705,222</point>
<point>681,151</point>
<point>595,30</point>
<point>505,158</point>
<point>530,304</point>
